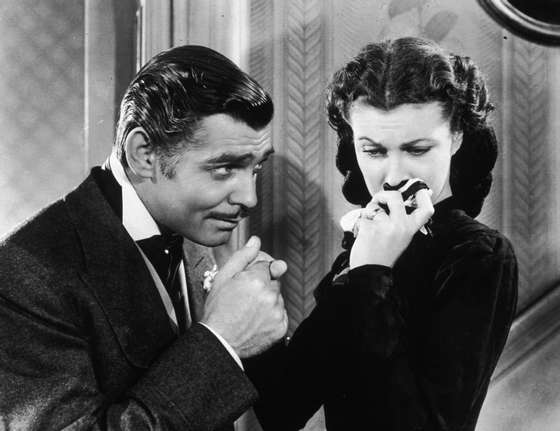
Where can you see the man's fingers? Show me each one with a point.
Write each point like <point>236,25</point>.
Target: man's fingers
<point>262,268</point>
<point>277,269</point>
<point>241,258</point>
<point>263,256</point>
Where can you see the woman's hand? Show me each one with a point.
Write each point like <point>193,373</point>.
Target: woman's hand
<point>383,237</point>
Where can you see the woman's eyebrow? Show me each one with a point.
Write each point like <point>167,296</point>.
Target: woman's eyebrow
<point>371,141</point>
<point>412,143</point>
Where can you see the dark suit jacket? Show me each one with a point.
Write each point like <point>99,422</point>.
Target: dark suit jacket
<point>85,342</point>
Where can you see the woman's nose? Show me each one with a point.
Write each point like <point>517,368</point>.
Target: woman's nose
<point>388,186</point>
<point>394,175</point>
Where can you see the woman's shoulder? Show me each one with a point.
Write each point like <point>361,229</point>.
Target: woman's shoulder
<point>463,233</point>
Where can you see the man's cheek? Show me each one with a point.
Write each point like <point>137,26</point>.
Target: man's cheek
<point>211,195</point>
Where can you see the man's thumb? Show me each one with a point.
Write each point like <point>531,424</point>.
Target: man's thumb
<point>241,258</point>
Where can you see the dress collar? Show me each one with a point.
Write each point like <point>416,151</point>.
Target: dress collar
<point>444,207</point>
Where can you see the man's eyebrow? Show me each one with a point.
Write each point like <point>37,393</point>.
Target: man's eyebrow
<point>268,153</point>
<point>231,158</point>
<point>236,158</point>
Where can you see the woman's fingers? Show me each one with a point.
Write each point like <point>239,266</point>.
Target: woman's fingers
<point>394,202</point>
<point>424,208</point>
<point>383,235</point>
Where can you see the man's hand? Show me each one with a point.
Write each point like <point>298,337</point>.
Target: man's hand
<point>245,305</point>
<point>383,237</point>
<point>277,267</point>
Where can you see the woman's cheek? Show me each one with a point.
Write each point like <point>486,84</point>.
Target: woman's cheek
<point>373,179</point>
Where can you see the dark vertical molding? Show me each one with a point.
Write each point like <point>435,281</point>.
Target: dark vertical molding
<point>261,221</point>
<point>110,56</point>
<point>125,47</point>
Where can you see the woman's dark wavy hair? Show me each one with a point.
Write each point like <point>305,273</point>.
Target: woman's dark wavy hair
<point>414,70</point>
<point>176,89</point>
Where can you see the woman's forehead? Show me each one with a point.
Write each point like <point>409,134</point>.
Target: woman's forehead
<point>403,123</point>
<point>432,108</point>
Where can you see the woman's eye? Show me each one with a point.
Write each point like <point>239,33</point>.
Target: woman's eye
<point>375,152</point>
<point>418,151</point>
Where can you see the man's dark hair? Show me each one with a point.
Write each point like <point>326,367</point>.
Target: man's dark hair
<point>414,70</point>
<point>176,89</point>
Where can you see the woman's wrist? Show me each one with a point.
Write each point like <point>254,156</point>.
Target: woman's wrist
<point>372,277</point>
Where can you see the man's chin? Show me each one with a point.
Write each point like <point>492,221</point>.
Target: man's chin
<point>212,239</point>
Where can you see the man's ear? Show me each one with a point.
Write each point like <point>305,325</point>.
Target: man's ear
<point>140,155</point>
<point>457,141</point>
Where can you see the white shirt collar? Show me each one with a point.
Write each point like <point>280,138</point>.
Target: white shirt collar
<point>135,216</point>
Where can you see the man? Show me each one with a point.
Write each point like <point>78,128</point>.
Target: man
<point>102,323</point>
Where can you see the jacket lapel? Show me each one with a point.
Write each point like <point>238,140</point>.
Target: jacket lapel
<point>198,260</point>
<point>117,275</point>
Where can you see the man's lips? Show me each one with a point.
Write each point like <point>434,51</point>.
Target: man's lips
<point>229,218</point>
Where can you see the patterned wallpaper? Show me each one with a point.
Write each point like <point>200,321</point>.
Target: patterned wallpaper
<point>41,104</point>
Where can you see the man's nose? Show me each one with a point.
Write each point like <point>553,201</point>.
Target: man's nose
<point>245,193</point>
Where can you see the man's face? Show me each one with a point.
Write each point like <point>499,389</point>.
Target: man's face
<point>214,182</point>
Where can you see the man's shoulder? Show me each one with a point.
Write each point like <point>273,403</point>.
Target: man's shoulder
<point>42,261</point>
<point>38,263</point>
<point>47,227</point>
<point>48,241</point>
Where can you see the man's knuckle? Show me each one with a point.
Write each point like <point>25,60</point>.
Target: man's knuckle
<point>272,297</point>
<point>257,283</point>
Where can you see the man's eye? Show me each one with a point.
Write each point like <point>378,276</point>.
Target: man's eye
<point>222,171</point>
<point>257,168</point>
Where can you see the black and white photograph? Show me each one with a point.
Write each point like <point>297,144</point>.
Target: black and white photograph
<point>280,215</point>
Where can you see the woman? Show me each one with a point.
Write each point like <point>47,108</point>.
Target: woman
<point>408,326</point>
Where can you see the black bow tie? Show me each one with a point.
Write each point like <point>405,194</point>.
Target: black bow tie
<point>165,252</point>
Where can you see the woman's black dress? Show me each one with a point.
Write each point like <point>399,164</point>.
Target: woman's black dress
<point>407,348</point>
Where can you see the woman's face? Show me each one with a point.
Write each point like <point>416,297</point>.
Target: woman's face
<point>409,141</point>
